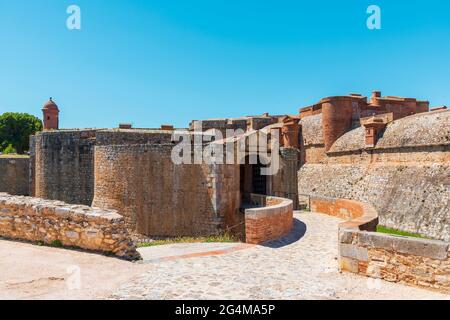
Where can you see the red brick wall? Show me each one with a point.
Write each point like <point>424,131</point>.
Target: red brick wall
<point>270,222</point>
<point>336,118</point>
<point>340,208</point>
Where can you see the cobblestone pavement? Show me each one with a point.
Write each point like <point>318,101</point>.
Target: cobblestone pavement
<point>302,265</point>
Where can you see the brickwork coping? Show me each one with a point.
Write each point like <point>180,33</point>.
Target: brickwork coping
<point>272,220</point>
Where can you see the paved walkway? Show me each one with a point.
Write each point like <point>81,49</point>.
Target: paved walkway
<point>300,266</point>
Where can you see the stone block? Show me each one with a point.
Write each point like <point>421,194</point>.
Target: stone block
<point>375,240</point>
<point>421,247</point>
<point>348,264</point>
<point>345,236</point>
<point>354,252</point>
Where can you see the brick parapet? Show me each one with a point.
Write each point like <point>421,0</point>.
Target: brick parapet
<point>274,219</point>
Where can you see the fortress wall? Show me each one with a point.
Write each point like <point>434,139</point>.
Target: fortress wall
<point>284,183</point>
<point>159,198</point>
<point>410,196</point>
<point>32,167</point>
<point>14,174</point>
<point>336,118</point>
<point>52,222</point>
<point>406,177</point>
<point>64,167</point>
<point>133,136</point>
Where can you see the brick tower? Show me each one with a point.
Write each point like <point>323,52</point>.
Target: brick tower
<point>51,115</point>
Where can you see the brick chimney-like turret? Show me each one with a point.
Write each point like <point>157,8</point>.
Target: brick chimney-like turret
<point>51,115</point>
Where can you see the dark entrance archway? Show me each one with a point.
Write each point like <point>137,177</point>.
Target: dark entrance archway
<point>252,181</point>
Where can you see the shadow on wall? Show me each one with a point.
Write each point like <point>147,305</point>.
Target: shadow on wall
<point>298,231</point>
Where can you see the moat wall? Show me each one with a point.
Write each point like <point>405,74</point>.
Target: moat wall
<point>14,175</point>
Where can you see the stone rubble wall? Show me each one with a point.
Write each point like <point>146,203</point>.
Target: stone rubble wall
<point>14,175</point>
<point>417,262</point>
<point>272,221</point>
<point>411,261</point>
<point>56,222</point>
<point>64,165</point>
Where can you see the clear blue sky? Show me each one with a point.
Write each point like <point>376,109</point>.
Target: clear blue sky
<point>171,61</point>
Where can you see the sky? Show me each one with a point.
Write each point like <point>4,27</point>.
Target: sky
<point>159,62</point>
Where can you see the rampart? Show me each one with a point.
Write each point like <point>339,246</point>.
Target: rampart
<point>405,176</point>
<point>64,165</point>
<point>14,174</point>
<point>160,198</point>
<point>59,223</point>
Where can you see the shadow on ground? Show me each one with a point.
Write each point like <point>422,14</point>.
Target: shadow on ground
<point>297,232</point>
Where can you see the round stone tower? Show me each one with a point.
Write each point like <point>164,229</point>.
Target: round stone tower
<point>51,115</point>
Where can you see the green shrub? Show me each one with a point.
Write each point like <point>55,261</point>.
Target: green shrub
<point>387,230</point>
<point>57,243</point>
<point>9,149</point>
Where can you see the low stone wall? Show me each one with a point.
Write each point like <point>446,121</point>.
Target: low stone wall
<point>14,173</point>
<point>412,261</point>
<point>34,219</point>
<point>269,222</point>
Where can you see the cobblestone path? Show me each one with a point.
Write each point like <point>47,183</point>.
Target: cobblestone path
<point>302,265</point>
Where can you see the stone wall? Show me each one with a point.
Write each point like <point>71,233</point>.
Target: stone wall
<point>272,220</point>
<point>284,184</point>
<point>14,174</point>
<point>412,261</point>
<point>53,222</point>
<point>133,136</point>
<point>160,198</point>
<point>409,197</point>
<point>64,165</point>
<point>406,176</point>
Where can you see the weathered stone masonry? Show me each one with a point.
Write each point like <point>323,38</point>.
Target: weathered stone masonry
<point>64,165</point>
<point>418,262</point>
<point>160,198</point>
<point>14,175</point>
<point>405,176</point>
<point>35,219</point>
